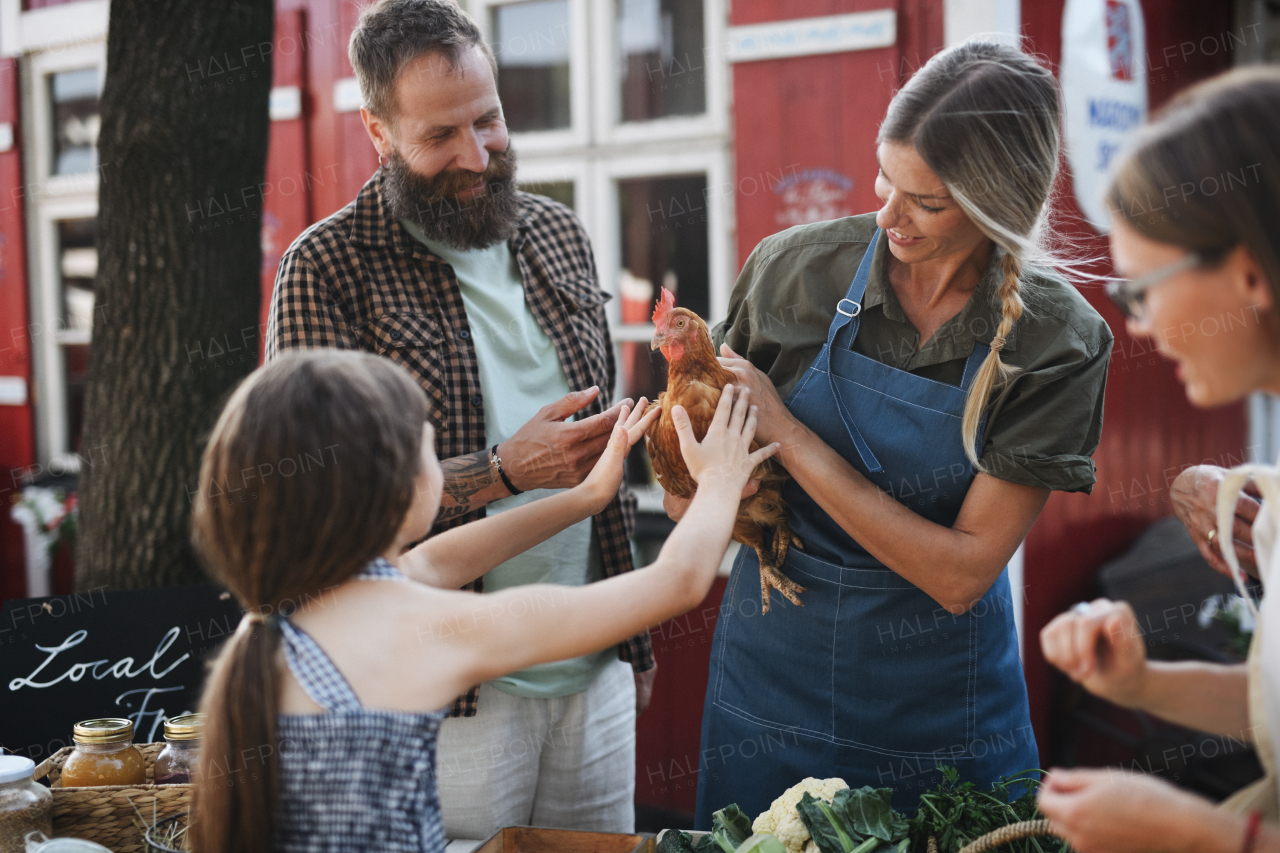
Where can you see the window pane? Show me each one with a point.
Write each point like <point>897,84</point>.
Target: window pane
<point>531,43</point>
<point>78,264</point>
<point>561,191</point>
<point>76,365</point>
<point>663,223</point>
<point>74,96</point>
<point>661,60</point>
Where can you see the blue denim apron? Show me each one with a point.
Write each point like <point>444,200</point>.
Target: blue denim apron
<point>871,680</point>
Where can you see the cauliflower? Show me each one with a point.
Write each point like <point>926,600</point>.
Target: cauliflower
<point>793,834</point>
<point>783,820</point>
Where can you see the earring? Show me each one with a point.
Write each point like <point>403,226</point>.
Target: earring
<point>381,161</point>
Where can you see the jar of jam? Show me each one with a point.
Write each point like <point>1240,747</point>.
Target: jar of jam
<point>104,755</point>
<point>25,805</point>
<point>176,763</point>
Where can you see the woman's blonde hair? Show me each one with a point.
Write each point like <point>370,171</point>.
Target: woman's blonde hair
<point>984,117</point>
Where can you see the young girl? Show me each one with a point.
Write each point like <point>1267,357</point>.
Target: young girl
<point>322,718</point>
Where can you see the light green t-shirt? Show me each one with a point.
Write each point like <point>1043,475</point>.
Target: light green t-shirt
<point>520,372</point>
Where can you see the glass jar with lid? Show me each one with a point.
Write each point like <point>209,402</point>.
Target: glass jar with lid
<point>176,763</point>
<point>104,755</point>
<point>25,805</point>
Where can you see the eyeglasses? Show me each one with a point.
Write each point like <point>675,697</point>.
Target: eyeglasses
<point>1130,295</point>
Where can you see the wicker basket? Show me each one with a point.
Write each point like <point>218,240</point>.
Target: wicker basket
<point>1003,835</point>
<point>105,814</point>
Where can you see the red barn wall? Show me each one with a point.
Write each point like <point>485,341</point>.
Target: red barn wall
<point>1150,431</point>
<point>17,427</point>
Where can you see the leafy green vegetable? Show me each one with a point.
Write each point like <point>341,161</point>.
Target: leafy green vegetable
<point>729,828</point>
<point>852,820</point>
<point>762,842</point>
<point>675,841</point>
<point>956,813</point>
<point>825,827</point>
<point>868,811</point>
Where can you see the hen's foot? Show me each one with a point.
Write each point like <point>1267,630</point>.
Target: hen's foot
<point>771,578</point>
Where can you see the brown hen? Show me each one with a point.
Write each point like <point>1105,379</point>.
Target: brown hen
<point>694,381</point>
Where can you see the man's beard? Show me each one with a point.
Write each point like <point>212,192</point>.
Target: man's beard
<point>433,204</point>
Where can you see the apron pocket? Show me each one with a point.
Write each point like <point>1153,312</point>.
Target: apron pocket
<point>905,670</point>
<point>775,669</point>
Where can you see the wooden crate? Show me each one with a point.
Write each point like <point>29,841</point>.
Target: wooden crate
<point>532,839</point>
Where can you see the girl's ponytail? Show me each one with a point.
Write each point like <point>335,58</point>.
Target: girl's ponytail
<point>237,788</point>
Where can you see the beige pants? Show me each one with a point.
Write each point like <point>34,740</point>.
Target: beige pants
<point>566,763</point>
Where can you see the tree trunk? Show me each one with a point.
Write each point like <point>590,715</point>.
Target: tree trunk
<point>183,148</point>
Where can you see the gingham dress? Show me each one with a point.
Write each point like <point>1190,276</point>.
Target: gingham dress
<point>354,779</point>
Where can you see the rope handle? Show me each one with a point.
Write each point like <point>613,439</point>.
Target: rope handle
<point>1003,835</point>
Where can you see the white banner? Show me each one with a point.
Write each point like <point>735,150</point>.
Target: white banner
<point>1104,88</point>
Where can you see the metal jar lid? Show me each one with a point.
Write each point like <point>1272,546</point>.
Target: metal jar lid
<point>106,730</point>
<point>184,727</point>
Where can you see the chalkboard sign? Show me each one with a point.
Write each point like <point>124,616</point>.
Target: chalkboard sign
<point>138,654</point>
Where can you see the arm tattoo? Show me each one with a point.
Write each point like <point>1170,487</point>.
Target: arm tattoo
<point>464,478</point>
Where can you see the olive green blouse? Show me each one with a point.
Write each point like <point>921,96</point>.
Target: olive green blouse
<point>1042,427</point>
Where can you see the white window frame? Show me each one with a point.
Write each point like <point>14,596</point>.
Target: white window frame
<point>719,211</point>
<point>50,198</point>
<point>578,133</point>
<point>598,151</point>
<point>606,107</point>
<point>564,169</point>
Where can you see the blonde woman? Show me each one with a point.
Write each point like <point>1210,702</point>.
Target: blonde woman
<point>1207,261</point>
<point>939,381</point>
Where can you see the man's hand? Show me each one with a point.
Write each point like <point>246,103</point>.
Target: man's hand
<point>550,452</point>
<point>1195,502</point>
<point>644,688</point>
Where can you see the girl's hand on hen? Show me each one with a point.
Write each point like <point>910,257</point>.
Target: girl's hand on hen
<point>723,458</point>
<point>602,484</point>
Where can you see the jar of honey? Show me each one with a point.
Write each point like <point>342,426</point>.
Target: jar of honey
<point>104,755</point>
<point>176,763</point>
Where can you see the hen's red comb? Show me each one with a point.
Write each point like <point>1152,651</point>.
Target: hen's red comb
<point>663,308</point>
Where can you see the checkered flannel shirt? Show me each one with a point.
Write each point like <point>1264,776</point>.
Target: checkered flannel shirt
<point>358,280</point>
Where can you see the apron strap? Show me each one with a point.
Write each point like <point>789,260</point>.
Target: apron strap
<point>847,312</point>
<point>971,367</point>
<point>973,364</point>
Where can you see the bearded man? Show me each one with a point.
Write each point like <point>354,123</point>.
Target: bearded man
<point>488,297</point>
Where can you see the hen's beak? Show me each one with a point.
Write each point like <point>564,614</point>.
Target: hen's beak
<point>658,342</point>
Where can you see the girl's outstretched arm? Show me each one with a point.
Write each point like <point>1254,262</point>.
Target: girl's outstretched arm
<point>510,630</point>
<point>456,557</point>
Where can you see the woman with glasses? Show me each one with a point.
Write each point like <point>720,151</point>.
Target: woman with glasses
<point>1204,274</point>
<point>940,380</point>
